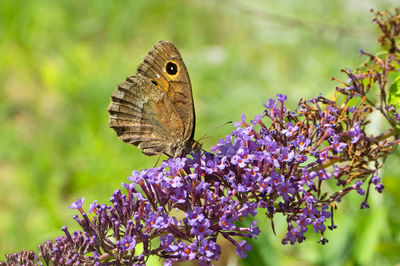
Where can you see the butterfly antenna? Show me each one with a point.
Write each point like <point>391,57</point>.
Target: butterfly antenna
<point>215,128</point>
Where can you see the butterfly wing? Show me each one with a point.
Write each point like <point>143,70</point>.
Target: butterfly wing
<point>164,67</point>
<point>143,115</point>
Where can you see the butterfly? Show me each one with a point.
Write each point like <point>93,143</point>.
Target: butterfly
<point>154,108</point>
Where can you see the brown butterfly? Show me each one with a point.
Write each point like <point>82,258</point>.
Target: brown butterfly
<point>154,109</point>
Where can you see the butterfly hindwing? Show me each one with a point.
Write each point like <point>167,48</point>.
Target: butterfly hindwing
<point>143,115</point>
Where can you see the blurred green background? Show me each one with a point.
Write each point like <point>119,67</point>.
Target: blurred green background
<point>61,60</point>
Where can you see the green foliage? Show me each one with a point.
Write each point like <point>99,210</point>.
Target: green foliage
<point>394,93</point>
<point>61,60</point>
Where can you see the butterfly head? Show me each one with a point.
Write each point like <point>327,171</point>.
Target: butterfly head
<point>184,148</point>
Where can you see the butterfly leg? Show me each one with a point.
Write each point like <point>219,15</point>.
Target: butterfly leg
<point>159,156</point>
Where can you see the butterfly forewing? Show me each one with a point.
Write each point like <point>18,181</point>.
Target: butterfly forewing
<point>164,66</point>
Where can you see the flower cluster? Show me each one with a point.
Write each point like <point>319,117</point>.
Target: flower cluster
<point>278,162</point>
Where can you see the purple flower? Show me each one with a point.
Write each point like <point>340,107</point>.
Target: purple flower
<point>357,186</point>
<point>352,109</point>
<point>254,230</point>
<point>376,180</point>
<point>179,195</point>
<point>136,177</point>
<point>337,145</point>
<point>319,225</point>
<point>303,221</point>
<point>188,252</point>
<point>241,248</point>
<point>242,121</point>
<point>290,129</point>
<point>271,104</point>
<point>355,133</point>
<point>127,243</point>
<point>249,208</point>
<point>167,241</point>
<point>93,207</point>
<point>129,186</point>
<point>285,190</point>
<point>209,250</point>
<point>227,222</point>
<point>274,179</point>
<point>265,185</point>
<point>195,216</point>
<point>301,158</point>
<point>302,142</point>
<point>323,174</point>
<point>310,199</point>
<point>78,204</point>
<point>257,119</point>
<point>307,177</point>
<point>287,155</point>
<point>161,221</point>
<point>225,148</point>
<point>379,188</point>
<point>310,211</point>
<point>323,156</point>
<point>202,228</point>
<point>324,213</point>
<point>176,182</point>
<point>294,235</point>
<point>281,98</point>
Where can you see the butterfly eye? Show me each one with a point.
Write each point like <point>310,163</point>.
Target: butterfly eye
<point>154,82</point>
<point>171,68</point>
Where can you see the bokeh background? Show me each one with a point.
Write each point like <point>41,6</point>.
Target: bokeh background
<point>61,60</point>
